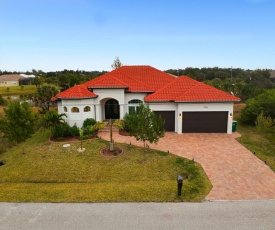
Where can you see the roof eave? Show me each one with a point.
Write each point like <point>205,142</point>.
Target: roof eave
<point>76,98</point>
<point>193,101</point>
<point>107,87</point>
<point>139,91</point>
<point>158,101</point>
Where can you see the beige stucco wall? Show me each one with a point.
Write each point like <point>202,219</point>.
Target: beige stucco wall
<point>9,83</point>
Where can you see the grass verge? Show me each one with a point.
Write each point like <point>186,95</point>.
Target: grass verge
<point>261,145</point>
<point>42,171</point>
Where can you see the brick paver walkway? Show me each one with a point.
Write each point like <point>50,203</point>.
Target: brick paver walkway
<point>236,174</point>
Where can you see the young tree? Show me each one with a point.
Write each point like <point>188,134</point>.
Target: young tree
<point>116,63</point>
<point>19,122</point>
<point>43,97</point>
<point>145,125</point>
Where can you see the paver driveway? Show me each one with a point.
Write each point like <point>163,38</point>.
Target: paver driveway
<point>236,174</point>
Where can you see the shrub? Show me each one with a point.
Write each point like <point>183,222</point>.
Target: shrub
<point>62,130</point>
<point>3,101</point>
<point>264,124</point>
<point>120,124</point>
<point>89,122</point>
<point>99,125</point>
<point>88,131</point>
<point>264,103</point>
<point>74,131</point>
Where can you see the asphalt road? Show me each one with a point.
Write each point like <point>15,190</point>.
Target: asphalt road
<point>208,215</point>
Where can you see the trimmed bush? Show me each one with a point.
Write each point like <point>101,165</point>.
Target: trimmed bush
<point>89,122</point>
<point>74,131</point>
<point>64,130</point>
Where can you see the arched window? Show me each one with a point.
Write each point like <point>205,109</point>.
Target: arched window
<point>65,109</point>
<point>87,109</point>
<point>134,104</point>
<point>75,110</point>
<point>135,101</point>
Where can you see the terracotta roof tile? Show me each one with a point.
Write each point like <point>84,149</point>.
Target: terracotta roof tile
<point>185,89</point>
<point>163,86</point>
<point>76,92</point>
<point>105,81</point>
<point>136,78</point>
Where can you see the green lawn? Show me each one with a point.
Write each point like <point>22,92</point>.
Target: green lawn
<point>41,171</point>
<point>260,144</point>
<point>17,90</point>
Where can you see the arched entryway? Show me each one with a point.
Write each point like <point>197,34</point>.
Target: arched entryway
<point>111,109</point>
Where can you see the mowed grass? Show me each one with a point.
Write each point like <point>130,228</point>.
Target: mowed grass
<point>43,171</point>
<point>17,90</point>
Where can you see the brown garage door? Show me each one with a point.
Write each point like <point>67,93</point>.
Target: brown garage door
<point>204,122</point>
<point>169,117</point>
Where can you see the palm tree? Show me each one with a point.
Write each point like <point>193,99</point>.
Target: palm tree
<point>52,119</point>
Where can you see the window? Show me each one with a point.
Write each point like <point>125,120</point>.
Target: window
<point>75,110</point>
<point>87,109</point>
<point>135,101</point>
<point>132,109</point>
<point>134,104</point>
<point>65,109</point>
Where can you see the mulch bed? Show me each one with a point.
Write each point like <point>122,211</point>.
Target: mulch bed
<point>107,153</point>
<point>123,133</point>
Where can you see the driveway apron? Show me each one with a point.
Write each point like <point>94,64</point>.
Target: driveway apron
<point>235,172</point>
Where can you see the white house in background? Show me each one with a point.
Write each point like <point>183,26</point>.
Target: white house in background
<point>188,106</point>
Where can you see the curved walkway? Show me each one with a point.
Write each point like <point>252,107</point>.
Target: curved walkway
<point>236,174</point>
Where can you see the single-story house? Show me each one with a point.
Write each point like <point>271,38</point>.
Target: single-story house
<point>187,105</point>
<point>9,80</point>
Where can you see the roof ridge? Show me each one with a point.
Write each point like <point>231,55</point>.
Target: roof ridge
<point>188,90</point>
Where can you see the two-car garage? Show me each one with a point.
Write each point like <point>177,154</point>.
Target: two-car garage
<point>196,121</point>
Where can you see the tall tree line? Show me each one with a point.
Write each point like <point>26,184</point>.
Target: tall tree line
<point>242,83</point>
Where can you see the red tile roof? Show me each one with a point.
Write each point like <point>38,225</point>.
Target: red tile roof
<point>76,92</point>
<point>185,89</point>
<point>135,78</point>
<point>163,86</point>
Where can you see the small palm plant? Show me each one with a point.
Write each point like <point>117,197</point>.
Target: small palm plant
<point>52,119</point>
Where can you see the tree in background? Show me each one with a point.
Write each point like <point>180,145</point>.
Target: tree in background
<point>42,97</point>
<point>117,63</point>
<point>263,103</point>
<point>145,125</point>
<point>19,122</point>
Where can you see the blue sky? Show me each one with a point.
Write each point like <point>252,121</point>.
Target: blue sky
<point>52,35</point>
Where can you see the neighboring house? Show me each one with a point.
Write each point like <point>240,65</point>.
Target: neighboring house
<point>9,80</point>
<point>188,106</point>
